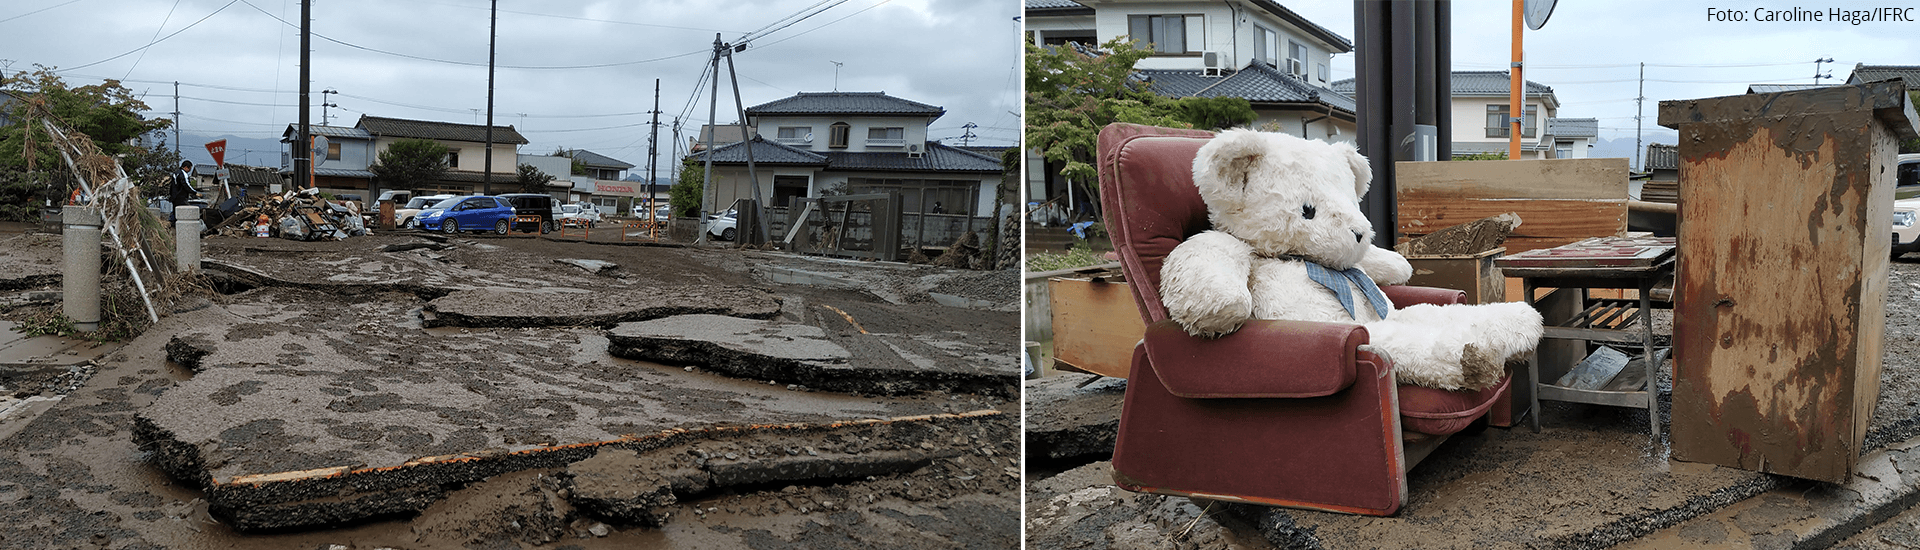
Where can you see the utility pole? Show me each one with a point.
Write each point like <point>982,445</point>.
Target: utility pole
<point>1816,70</point>
<point>326,117</point>
<point>653,148</point>
<point>302,145</point>
<point>176,118</point>
<point>1517,107</point>
<point>1638,111</point>
<point>713,110</point>
<point>966,139</point>
<point>493,33</point>
<point>746,138</point>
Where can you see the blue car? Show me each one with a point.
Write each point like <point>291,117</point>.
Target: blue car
<point>476,213</point>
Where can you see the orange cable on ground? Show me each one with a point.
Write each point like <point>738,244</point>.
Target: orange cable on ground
<point>856,324</point>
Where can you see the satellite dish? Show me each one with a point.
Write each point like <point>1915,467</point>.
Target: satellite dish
<point>1537,12</point>
<point>809,137</point>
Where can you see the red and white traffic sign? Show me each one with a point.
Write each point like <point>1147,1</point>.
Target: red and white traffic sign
<point>218,148</point>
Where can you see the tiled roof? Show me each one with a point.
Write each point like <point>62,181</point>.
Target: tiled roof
<point>332,132</point>
<point>1052,4</point>
<point>1573,127</point>
<point>939,158</point>
<point>1258,83</point>
<point>1661,156</point>
<point>764,152</point>
<point>331,172</point>
<point>249,175</point>
<point>1471,83</point>
<point>1305,25</point>
<point>1772,88</point>
<point>844,103</point>
<point>596,160</point>
<point>445,131</point>
<point>1875,73</point>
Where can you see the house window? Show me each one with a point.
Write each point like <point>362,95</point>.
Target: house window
<point>1167,33</point>
<point>837,135</point>
<point>1563,150</point>
<point>453,158</point>
<point>333,151</point>
<point>886,137</point>
<point>1296,59</point>
<point>1497,123</point>
<point>1266,45</point>
<point>795,134</point>
<point>1321,75</point>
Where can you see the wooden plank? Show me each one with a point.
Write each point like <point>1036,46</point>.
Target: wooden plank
<point>1560,199</point>
<point>1095,325</point>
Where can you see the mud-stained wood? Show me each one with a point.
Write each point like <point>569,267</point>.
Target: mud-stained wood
<point>1559,201</point>
<point>1095,325</point>
<point>1780,298</point>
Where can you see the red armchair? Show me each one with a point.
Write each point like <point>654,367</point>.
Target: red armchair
<point>1282,413</point>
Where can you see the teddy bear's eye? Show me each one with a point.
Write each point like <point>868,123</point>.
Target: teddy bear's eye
<point>1306,211</point>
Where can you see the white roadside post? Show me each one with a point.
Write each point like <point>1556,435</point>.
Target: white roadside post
<point>186,237</point>
<point>80,280</point>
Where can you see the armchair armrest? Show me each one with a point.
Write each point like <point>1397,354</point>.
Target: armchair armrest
<point>1403,296</point>
<point>1264,358</point>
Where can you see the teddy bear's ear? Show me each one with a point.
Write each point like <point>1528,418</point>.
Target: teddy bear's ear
<point>1229,158</point>
<point>1362,172</point>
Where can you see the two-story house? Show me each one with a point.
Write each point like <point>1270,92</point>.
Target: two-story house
<point>1485,96</point>
<point>827,143</point>
<point>602,184</point>
<point>350,151</point>
<point>1257,50</point>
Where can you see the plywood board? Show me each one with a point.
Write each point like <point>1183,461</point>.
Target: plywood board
<point>1095,325</point>
<point>1559,201</point>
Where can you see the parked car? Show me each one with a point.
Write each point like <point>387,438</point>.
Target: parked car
<point>397,196</point>
<point>1907,177</point>
<point>663,214</point>
<point>534,204</point>
<point>1906,232</point>
<point>407,215</point>
<point>476,213</point>
<point>586,213</point>
<point>724,225</point>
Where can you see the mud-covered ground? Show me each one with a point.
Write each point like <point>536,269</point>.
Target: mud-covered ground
<point>345,315</point>
<point>1591,479</point>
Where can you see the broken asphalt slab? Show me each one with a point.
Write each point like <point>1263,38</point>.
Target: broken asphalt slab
<point>545,307</point>
<point>1072,415</point>
<point>809,356</point>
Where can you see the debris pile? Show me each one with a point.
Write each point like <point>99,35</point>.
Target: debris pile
<point>297,215</point>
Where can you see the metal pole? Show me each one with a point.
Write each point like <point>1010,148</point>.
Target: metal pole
<point>302,155</point>
<point>176,118</point>
<point>1639,110</point>
<point>707,191</point>
<point>1516,106</point>
<point>493,34</point>
<point>759,205</point>
<point>653,150</point>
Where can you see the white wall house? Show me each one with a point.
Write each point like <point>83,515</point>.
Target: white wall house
<point>1257,50</point>
<point>1481,101</point>
<point>824,143</point>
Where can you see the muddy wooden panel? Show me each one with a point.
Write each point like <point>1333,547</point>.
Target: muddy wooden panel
<point>1474,274</point>
<point>1780,297</point>
<point>1559,201</point>
<point>1095,325</point>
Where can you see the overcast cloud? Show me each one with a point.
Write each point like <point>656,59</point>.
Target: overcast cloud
<point>1590,50</point>
<point>239,74</point>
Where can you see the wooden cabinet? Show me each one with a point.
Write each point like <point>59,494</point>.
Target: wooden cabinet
<point>1785,213</point>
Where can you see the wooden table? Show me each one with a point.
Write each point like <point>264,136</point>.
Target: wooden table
<point>1573,318</point>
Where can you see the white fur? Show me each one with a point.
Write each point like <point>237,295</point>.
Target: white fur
<point>1257,187</point>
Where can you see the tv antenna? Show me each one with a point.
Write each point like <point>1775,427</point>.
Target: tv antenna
<point>836,74</point>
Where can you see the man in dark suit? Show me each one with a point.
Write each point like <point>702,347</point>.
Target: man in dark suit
<point>182,187</point>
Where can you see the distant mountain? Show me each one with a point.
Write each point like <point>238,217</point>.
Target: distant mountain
<point>1623,147</point>
<point>264,152</point>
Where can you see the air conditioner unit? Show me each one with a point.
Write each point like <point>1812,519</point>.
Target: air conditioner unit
<point>1295,66</point>
<point>916,150</point>
<point>1212,62</point>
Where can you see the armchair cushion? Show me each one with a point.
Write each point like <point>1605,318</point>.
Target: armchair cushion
<point>1263,359</point>
<point>1442,412</point>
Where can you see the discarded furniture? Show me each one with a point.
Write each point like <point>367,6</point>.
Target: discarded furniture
<point>1281,413</point>
<point>1573,318</point>
<point>1094,325</point>
<point>1781,294</point>
<point>1475,274</point>
<point>1561,200</point>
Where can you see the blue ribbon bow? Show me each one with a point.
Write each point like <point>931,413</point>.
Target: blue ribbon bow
<point>1336,281</point>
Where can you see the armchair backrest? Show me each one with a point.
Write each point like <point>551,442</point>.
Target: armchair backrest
<point>1149,201</point>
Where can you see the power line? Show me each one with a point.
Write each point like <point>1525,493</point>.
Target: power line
<point>37,11</point>
<point>156,34</point>
<point>151,44</point>
<point>468,63</point>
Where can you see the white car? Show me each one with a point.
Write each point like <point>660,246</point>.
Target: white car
<point>584,212</point>
<point>405,215</point>
<point>1906,205</point>
<point>724,225</point>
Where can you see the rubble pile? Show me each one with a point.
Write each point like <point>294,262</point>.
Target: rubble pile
<point>297,215</point>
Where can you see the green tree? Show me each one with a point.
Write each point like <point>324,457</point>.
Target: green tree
<point>108,113</point>
<point>411,163</point>
<point>685,196</point>
<point>1072,94</point>
<point>532,180</point>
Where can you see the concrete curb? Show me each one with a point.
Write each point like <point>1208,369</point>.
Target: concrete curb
<point>1801,514</point>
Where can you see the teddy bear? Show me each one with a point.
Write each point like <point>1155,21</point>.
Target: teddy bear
<point>1289,241</point>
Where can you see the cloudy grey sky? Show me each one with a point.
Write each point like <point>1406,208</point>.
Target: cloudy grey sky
<point>1590,50</point>
<point>238,67</point>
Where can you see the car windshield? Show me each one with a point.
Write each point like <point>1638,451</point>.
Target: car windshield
<point>448,203</point>
<point>420,202</point>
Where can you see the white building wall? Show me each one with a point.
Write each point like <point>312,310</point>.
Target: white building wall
<point>1470,119</point>
<point>914,130</point>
